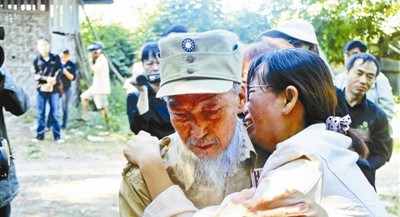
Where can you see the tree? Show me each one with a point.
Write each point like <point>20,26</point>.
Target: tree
<point>375,22</point>
<point>117,42</point>
<point>199,15</point>
<point>339,21</point>
<point>246,24</point>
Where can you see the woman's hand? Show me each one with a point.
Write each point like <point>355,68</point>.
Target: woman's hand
<point>142,148</point>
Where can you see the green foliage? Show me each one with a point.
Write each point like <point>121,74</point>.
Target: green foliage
<point>117,108</point>
<point>197,15</point>
<point>338,21</point>
<point>246,24</point>
<point>117,41</point>
<point>118,120</point>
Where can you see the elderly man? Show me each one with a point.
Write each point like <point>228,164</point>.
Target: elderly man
<point>361,71</point>
<point>210,155</point>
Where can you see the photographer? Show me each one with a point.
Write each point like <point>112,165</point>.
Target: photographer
<point>14,99</point>
<point>145,111</point>
<point>46,68</point>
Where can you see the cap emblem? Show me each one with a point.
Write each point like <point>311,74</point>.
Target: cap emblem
<point>188,45</point>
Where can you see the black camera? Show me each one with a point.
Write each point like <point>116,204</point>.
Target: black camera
<point>4,159</point>
<point>2,33</point>
<point>143,79</point>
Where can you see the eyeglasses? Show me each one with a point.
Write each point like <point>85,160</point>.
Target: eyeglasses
<point>258,86</point>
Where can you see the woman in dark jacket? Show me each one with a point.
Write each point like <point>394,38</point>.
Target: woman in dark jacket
<point>145,111</point>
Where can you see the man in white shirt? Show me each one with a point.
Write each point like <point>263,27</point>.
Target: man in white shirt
<point>100,88</point>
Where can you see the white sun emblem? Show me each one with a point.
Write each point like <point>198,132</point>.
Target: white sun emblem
<point>188,45</point>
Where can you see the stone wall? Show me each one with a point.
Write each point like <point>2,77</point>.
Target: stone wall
<point>22,30</point>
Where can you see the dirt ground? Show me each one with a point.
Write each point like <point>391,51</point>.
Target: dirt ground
<point>81,178</point>
<point>73,179</point>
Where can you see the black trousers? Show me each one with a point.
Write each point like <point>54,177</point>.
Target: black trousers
<point>5,211</point>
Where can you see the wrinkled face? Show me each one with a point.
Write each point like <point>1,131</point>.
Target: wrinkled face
<point>43,47</point>
<point>360,77</point>
<point>264,115</point>
<point>151,65</point>
<point>351,52</point>
<point>204,122</point>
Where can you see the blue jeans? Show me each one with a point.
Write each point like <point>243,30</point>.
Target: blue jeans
<point>65,98</point>
<point>54,101</point>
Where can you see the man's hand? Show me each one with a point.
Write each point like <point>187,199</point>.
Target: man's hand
<point>142,148</point>
<point>51,80</point>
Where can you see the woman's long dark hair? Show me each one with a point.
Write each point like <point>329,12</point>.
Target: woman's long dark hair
<point>307,72</point>
<point>304,70</point>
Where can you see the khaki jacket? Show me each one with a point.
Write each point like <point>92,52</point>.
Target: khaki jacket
<point>134,196</point>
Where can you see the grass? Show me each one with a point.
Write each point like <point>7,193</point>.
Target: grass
<point>77,133</point>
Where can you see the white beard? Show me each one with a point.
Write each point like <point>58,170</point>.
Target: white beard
<point>209,174</point>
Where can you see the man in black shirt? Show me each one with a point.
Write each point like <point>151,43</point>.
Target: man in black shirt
<point>66,76</point>
<point>361,71</point>
<point>46,68</point>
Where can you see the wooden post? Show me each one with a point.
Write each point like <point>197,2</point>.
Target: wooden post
<point>19,5</point>
<point>5,4</point>
<point>38,5</point>
<point>82,60</point>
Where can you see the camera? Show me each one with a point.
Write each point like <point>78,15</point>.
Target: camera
<point>2,33</point>
<point>143,79</point>
<point>4,158</point>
